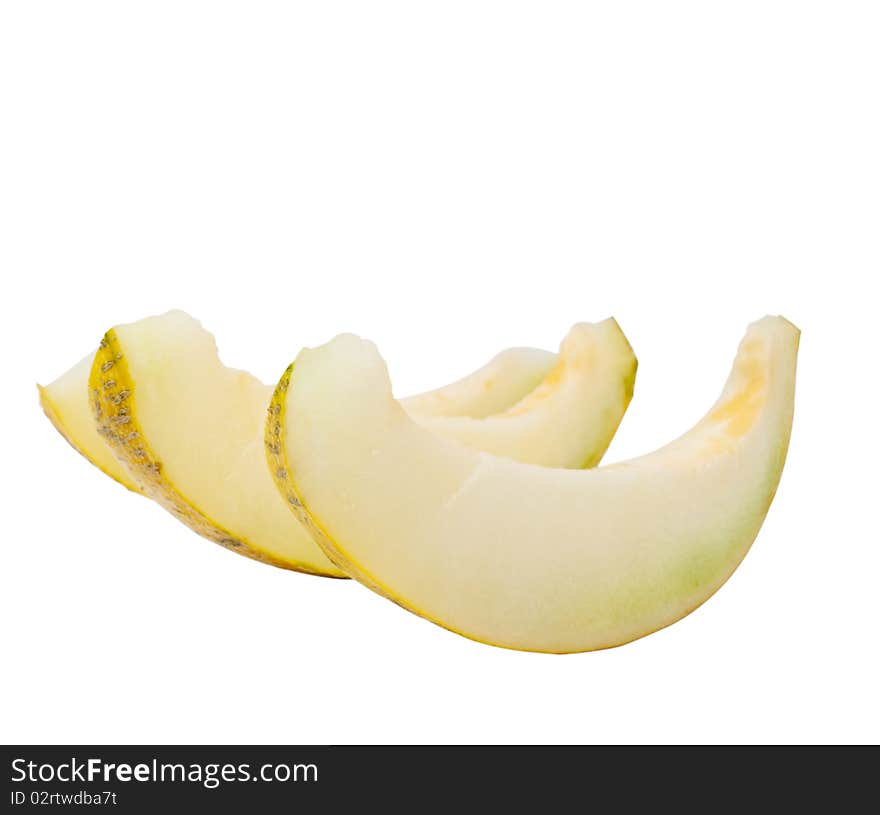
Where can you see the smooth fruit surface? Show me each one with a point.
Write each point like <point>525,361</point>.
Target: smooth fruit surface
<point>529,557</point>
<point>190,431</point>
<point>500,383</point>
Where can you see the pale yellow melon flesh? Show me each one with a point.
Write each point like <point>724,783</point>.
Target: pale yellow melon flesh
<point>502,382</point>
<point>190,430</point>
<point>529,557</point>
<point>571,417</point>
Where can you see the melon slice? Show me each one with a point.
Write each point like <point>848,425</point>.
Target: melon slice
<point>527,557</point>
<point>502,382</point>
<point>190,430</point>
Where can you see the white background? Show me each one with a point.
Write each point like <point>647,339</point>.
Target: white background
<point>447,179</point>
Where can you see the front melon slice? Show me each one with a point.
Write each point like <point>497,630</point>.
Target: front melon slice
<point>190,430</point>
<point>521,556</point>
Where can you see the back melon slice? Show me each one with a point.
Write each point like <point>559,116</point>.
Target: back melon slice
<point>517,555</point>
